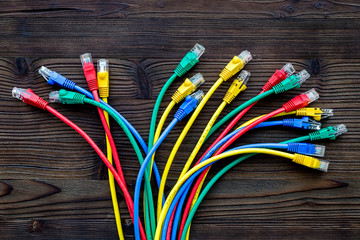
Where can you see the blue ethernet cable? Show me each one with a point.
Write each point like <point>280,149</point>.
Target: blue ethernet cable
<point>304,123</point>
<point>186,107</point>
<point>53,78</point>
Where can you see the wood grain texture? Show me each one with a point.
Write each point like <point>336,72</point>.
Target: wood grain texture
<point>52,184</point>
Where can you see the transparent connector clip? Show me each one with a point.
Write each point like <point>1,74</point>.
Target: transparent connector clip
<point>198,49</point>
<point>103,65</point>
<point>54,97</point>
<point>245,56</point>
<point>288,69</point>
<point>340,129</point>
<point>198,95</point>
<point>45,72</point>
<point>18,93</point>
<point>319,150</point>
<point>86,58</point>
<point>312,95</point>
<point>326,112</point>
<point>303,76</point>
<point>244,77</point>
<point>324,165</point>
<point>197,80</point>
<point>313,125</point>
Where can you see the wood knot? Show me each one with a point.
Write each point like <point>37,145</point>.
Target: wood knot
<point>289,9</point>
<point>315,66</point>
<point>22,66</point>
<point>37,226</point>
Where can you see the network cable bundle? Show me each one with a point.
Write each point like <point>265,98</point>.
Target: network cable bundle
<point>169,216</point>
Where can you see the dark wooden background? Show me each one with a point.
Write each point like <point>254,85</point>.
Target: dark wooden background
<point>53,185</point>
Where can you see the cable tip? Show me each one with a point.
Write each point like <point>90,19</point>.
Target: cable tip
<point>45,72</point>
<point>54,97</point>
<point>198,49</point>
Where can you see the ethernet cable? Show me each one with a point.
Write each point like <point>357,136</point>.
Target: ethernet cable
<point>234,66</point>
<point>91,79</point>
<point>28,96</point>
<point>236,87</point>
<point>190,59</point>
<point>300,101</point>
<point>177,188</point>
<point>287,84</point>
<point>67,97</point>
<point>297,102</point>
<point>188,87</point>
<point>298,148</point>
<point>326,133</point>
<point>293,81</point>
<point>191,102</point>
<point>103,83</point>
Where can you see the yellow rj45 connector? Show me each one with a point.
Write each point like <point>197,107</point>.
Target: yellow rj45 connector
<point>235,65</point>
<point>103,77</point>
<point>311,162</point>
<point>237,86</point>
<point>316,113</point>
<point>188,87</point>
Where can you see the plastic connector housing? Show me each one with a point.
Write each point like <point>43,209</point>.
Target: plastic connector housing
<point>188,87</point>
<point>66,97</point>
<point>316,113</point>
<point>286,71</point>
<point>29,97</point>
<point>307,149</point>
<point>190,59</point>
<point>53,78</point>
<point>303,123</point>
<point>235,65</point>
<point>311,162</point>
<point>89,71</point>
<point>331,132</point>
<point>237,86</point>
<point>103,77</point>
<point>291,82</point>
<point>301,100</point>
<point>190,103</point>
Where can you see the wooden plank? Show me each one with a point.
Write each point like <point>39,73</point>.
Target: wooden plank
<point>127,9</point>
<point>82,208</point>
<point>146,38</point>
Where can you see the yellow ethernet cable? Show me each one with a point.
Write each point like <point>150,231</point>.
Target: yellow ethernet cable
<point>103,81</point>
<point>188,87</point>
<point>236,87</point>
<point>297,158</point>
<point>234,66</point>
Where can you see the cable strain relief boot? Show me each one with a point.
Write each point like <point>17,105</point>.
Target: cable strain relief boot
<point>289,106</point>
<point>292,147</point>
<point>177,97</point>
<point>69,84</point>
<point>93,85</point>
<point>41,103</point>
<point>288,122</point>
<point>279,88</point>
<point>180,114</point>
<point>104,92</point>
<point>229,97</point>
<point>180,71</point>
<point>225,74</point>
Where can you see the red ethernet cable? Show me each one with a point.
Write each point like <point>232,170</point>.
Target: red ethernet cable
<point>28,96</point>
<point>299,101</point>
<point>279,75</point>
<point>90,76</point>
